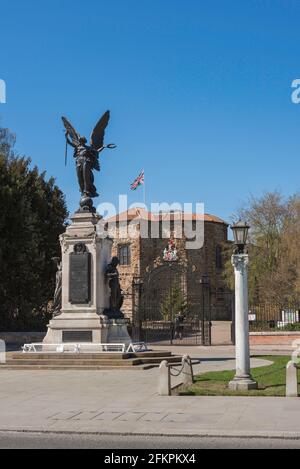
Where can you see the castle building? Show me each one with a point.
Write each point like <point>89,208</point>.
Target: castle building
<point>157,253</point>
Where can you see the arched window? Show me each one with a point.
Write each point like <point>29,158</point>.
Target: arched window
<point>219,263</point>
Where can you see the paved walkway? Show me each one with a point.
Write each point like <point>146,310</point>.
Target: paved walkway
<point>127,402</point>
<point>226,351</point>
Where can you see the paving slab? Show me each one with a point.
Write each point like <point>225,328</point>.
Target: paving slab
<point>120,402</point>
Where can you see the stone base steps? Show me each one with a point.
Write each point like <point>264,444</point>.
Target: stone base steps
<point>87,361</point>
<point>38,367</point>
<point>89,355</point>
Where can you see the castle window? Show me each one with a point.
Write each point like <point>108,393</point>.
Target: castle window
<point>124,254</point>
<point>219,263</point>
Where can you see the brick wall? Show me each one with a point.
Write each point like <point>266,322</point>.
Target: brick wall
<point>274,338</point>
<point>147,253</point>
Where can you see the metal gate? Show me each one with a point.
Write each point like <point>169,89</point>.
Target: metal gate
<point>171,307</point>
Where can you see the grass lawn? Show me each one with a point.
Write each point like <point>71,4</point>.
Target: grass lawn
<point>271,381</point>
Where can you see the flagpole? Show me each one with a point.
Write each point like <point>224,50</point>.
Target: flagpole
<point>144,189</point>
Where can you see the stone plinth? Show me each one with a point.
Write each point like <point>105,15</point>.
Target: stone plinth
<point>84,230</point>
<point>117,332</point>
<point>79,323</point>
<point>240,383</point>
<point>84,321</point>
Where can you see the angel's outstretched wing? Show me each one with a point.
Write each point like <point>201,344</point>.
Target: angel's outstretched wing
<point>71,131</point>
<point>97,136</point>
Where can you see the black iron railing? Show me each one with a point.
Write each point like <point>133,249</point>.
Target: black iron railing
<point>274,317</point>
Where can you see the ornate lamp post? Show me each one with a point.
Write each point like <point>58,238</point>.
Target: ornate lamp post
<point>242,380</point>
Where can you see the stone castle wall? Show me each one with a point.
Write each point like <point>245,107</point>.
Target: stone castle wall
<point>147,253</point>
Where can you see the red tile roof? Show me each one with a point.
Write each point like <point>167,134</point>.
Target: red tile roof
<point>142,214</point>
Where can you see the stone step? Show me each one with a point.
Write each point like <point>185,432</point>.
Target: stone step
<point>172,359</point>
<point>92,362</point>
<point>88,361</point>
<point>77,362</point>
<point>156,353</point>
<point>89,356</point>
<point>68,356</point>
<point>73,367</point>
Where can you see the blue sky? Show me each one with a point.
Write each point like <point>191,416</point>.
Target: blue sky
<point>199,93</point>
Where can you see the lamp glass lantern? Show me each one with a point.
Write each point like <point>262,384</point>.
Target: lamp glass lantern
<point>240,234</point>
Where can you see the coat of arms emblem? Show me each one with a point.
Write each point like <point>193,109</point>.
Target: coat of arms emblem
<point>170,252</point>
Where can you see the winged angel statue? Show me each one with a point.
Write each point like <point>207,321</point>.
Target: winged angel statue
<point>87,158</point>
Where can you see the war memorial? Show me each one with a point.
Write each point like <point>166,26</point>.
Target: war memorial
<point>88,329</point>
<point>88,291</point>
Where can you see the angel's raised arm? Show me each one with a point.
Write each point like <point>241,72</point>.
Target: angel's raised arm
<point>101,148</point>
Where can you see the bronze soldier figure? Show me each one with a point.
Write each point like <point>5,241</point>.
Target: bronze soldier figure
<point>116,293</point>
<point>56,308</point>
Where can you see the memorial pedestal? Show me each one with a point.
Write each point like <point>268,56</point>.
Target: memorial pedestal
<point>77,327</point>
<point>85,290</point>
<point>117,332</point>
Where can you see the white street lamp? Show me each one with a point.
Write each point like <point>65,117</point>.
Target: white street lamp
<point>242,380</point>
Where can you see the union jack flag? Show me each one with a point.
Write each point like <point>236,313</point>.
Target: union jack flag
<point>138,181</point>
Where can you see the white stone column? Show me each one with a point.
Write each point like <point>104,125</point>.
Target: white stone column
<point>242,380</point>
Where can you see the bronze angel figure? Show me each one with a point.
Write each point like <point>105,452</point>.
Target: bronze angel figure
<point>87,157</point>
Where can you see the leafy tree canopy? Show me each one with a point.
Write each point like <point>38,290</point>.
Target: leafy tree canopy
<point>274,249</point>
<point>32,216</point>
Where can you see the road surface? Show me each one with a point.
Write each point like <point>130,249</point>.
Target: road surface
<point>13,440</point>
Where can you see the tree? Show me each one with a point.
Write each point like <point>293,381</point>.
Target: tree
<point>32,216</point>
<point>173,303</point>
<point>274,249</point>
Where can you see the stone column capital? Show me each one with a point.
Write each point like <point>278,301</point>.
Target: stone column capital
<point>240,261</point>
